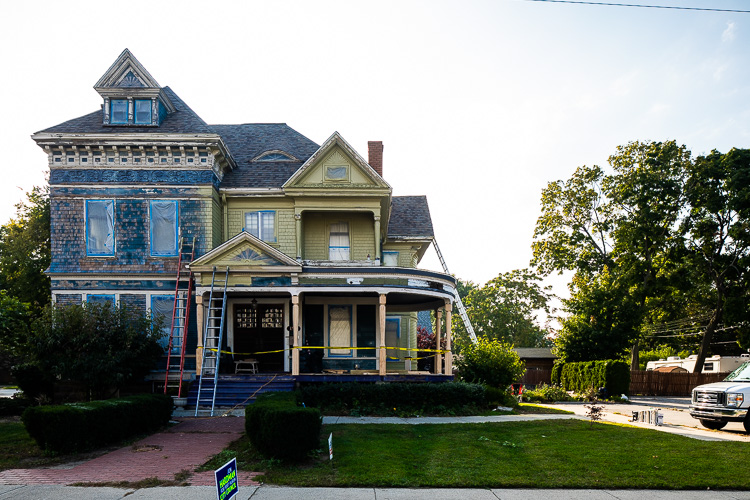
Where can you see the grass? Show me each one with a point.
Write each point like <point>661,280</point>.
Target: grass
<point>19,450</point>
<point>539,454</point>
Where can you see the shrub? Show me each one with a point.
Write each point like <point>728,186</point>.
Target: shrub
<point>32,381</point>
<point>489,362</point>
<point>85,426</point>
<point>500,397</point>
<point>278,428</point>
<point>13,406</point>
<point>613,375</point>
<point>394,398</point>
<point>546,394</point>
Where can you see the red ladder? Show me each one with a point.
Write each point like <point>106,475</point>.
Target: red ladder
<point>180,316</point>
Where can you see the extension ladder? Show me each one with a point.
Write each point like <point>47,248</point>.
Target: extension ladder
<point>212,339</point>
<point>459,303</point>
<point>183,294</point>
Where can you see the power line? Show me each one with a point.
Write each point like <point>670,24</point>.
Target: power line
<point>608,4</point>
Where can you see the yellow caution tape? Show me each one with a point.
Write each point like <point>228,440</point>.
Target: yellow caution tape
<point>435,351</point>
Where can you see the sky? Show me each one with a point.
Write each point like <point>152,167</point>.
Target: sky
<point>479,104</point>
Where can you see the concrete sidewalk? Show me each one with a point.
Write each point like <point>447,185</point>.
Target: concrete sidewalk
<point>288,493</point>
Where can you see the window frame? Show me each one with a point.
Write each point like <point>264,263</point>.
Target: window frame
<point>173,251</point>
<point>150,112</point>
<point>164,341</point>
<point>390,253</point>
<point>349,241</point>
<point>89,251</point>
<point>397,320</point>
<point>344,178</point>
<point>112,112</point>
<point>100,298</point>
<point>260,216</point>
<point>331,352</point>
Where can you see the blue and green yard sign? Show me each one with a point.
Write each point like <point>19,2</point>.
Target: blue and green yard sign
<point>226,480</point>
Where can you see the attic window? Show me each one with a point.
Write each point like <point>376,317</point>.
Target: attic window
<point>336,173</point>
<point>143,112</point>
<point>275,156</point>
<point>119,111</point>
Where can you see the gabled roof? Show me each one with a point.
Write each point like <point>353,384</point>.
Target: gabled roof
<point>245,142</point>
<point>245,251</point>
<point>126,71</point>
<point>337,140</point>
<point>182,121</point>
<point>410,218</point>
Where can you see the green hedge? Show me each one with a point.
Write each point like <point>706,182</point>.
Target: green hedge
<point>279,428</point>
<point>13,406</point>
<point>395,397</point>
<point>579,377</point>
<point>85,426</point>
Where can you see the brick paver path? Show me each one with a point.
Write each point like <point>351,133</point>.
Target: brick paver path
<point>183,447</point>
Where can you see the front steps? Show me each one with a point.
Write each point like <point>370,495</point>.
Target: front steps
<point>241,390</point>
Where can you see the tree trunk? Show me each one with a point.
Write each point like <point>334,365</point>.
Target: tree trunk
<point>708,335</point>
<point>635,362</point>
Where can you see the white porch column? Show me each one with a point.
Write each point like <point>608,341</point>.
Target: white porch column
<point>449,354</point>
<point>438,368</point>
<point>298,234</point>
<point>295,334</point>
<point>381,324</point>
<point>200,324</point>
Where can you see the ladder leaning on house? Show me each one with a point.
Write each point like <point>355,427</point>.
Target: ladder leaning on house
<point>180,316</point>
<point>212,339</point>
<point>459,303</point>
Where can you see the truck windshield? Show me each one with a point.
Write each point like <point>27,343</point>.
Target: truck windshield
<point>741,374</point>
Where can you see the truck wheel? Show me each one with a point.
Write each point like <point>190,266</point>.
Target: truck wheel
<point>716,425</point>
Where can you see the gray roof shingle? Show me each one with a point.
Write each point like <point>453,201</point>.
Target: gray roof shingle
<point>182,121</point>
<point>410,217</point>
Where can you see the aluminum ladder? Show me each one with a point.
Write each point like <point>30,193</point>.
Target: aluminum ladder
<point>459,303</point>
<point>213,334</point>
<point>183,294</point>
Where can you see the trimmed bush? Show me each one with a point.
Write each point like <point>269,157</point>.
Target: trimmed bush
<point>545,394</point>
<point>278,428</point>
<point>13,406</point>
<point>394,398</point>
<point>85,426</point>
<point>490,362</point>
<point>580,377</point>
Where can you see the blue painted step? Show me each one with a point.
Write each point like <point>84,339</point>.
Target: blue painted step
<point>233,390</point>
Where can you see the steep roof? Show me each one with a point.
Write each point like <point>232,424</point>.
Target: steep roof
<point>410,218</point>
<point>247,141</point>
<point>182,121</point>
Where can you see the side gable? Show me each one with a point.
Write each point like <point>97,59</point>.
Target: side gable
<point>336,168</point>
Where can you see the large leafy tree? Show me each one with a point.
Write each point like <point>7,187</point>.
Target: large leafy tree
<point>506,307</point>
<point>25,250</point>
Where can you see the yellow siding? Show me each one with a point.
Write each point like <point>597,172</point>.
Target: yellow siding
<point>315,228</point>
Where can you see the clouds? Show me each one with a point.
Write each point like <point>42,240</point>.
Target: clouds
<point>730,33</point>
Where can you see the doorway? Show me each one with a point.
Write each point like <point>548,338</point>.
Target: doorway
<point>259,328</point>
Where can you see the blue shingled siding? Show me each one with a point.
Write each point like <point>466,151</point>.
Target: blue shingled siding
<point>172,177</point>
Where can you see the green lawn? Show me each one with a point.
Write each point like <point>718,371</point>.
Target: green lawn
<point>542,454</point>
<point>18,449</point>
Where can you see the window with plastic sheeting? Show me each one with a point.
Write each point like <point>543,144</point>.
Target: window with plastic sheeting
<point>338,248</point>
<point>101,299</point>
<point>262,225</point>
<point>164,228</point>
<point>161,307</point>
<point>100,228</point>
<point>340,330</point>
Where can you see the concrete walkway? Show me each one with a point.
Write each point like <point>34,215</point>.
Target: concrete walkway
<point>288,493</point>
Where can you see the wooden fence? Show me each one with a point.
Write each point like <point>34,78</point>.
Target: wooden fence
<point>650,383</point>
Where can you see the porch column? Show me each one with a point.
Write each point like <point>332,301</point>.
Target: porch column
<point>449,354</point>
<point>298,233</point>
<point>200,325</point>
<point>381,323</point>
<point>437,369</point>
<point>377,239</point>
<point>295,334</point>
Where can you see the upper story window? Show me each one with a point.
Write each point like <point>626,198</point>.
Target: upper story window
<point>164,228</point>
<point>261,224</point>
<point>100,228</point>
<point>390,259</point>
<point>338,246</point>
<point>118,111</point>
<point>337,173</point>
<point>143,112</point>
<point>101,299</point>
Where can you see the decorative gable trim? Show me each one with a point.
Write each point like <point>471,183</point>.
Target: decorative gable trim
<point>127,71</point>
<point>246,252</point>
<point>336,140</point>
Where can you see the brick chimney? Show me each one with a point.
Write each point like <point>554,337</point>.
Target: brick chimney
<point>375,150</point>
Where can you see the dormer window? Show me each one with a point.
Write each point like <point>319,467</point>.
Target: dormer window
<point>143,112</point>
<point>274,156</point>
<point>119,111</point>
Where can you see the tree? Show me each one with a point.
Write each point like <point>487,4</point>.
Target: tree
<point>717,232</point>
<point>14,329</point>
<point>25,250</point>
<point>505,309</point>
<point>101,346</point>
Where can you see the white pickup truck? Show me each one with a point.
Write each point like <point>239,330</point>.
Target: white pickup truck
<point>721,402</point>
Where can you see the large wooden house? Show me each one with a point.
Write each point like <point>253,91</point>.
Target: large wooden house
<point>319,258</point>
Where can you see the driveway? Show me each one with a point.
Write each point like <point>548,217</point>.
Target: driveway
<point>677,419</point>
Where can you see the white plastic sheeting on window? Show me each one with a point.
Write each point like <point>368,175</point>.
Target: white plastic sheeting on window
<point>161,307</point>
<point>100,299</point>
<point>338,248</point>
<point>163,228</point>
<point>340,329</point>
<point>390,259</point>
<point>100,227</point>
<point>261,225</point>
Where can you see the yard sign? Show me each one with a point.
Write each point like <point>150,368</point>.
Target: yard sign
<point>226,480</point>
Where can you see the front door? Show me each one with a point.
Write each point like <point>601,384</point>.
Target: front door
<point>260,329</point>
